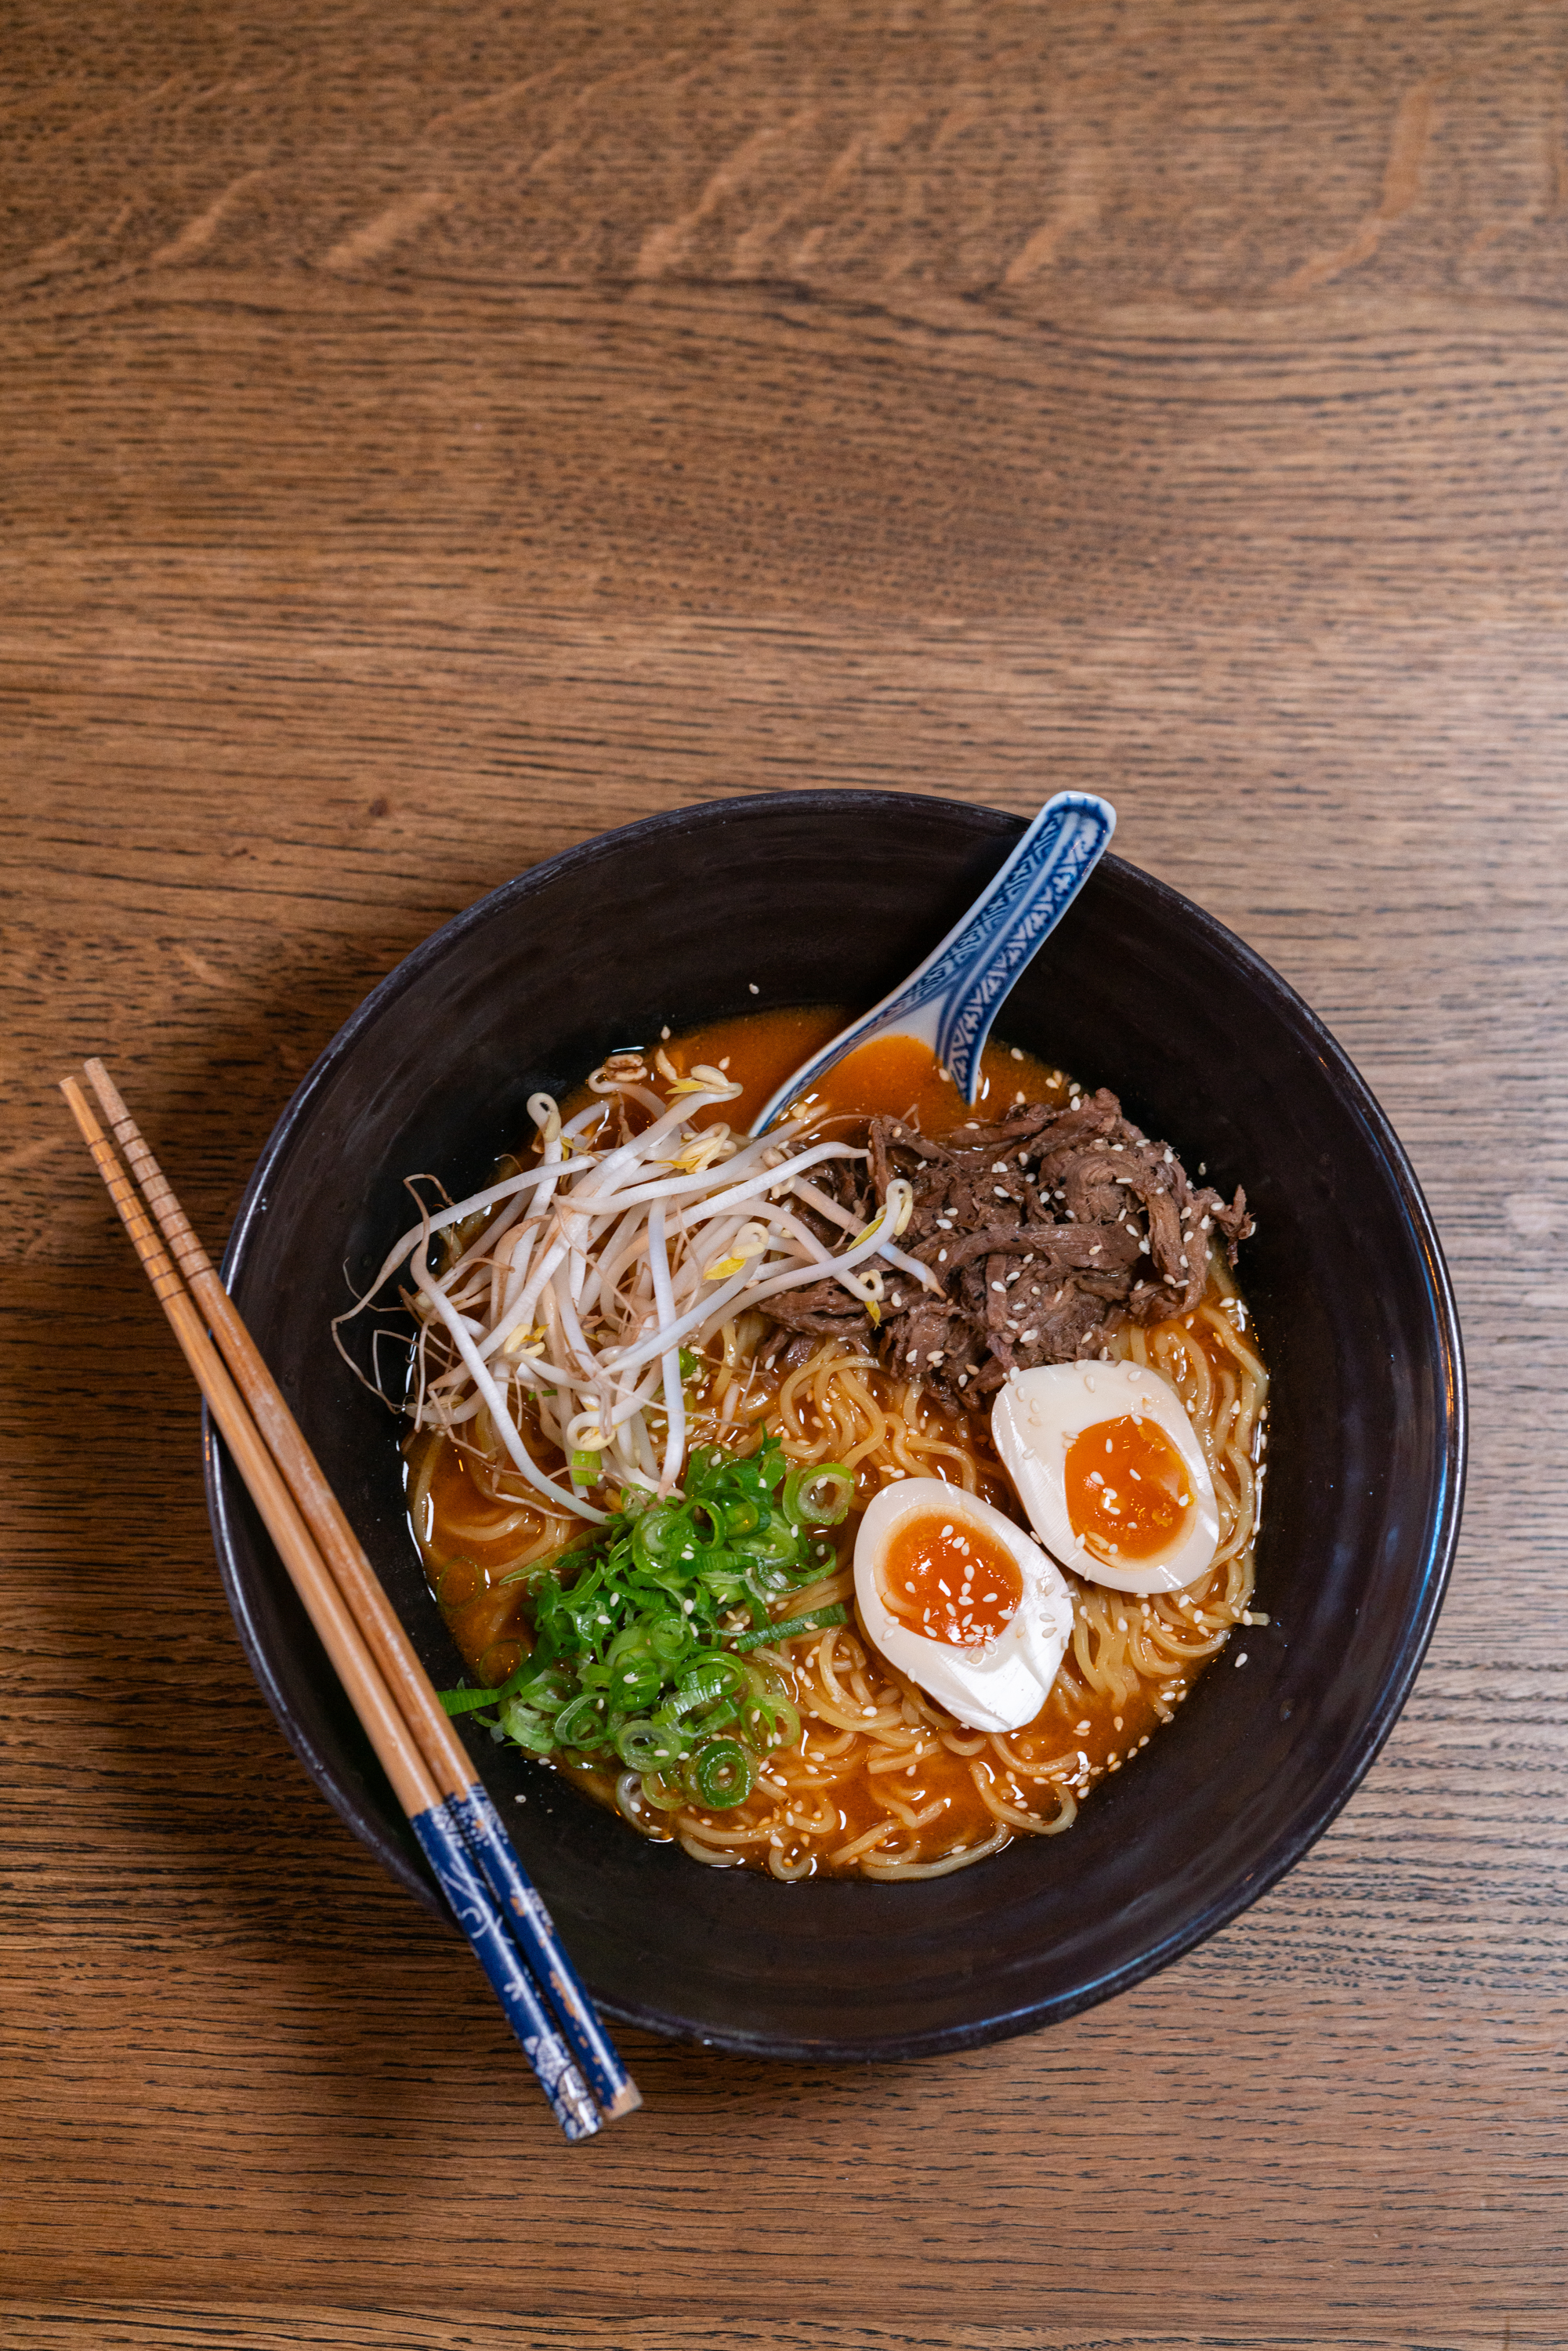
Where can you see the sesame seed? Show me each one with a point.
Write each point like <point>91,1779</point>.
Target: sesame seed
<point>752,985</point>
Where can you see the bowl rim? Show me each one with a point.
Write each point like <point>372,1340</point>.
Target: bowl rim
<point>1430,1585</point>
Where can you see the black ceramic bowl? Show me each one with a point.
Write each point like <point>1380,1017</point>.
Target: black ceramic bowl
<point>833,896</point>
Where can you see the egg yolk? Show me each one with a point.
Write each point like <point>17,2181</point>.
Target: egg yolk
<point>1128,1492</point>
<point>945,1579</point>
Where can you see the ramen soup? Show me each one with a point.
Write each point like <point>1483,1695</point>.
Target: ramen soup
<point>849,1501</point>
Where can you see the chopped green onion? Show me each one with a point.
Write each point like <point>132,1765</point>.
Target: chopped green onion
<point>818,1621</point>
<point>778,1720</point>
<point>649,1746</point>
<point>635,1661</point>
<point>719,1774</point>
<point>467,1701</point>
<point>458,1579</point>
<point>667,1794</point>
<point>527,1728</point>
<point>819,1496</point>
<point>776,1546</point>
<point>717,1676</point>
<point>580,1724</point>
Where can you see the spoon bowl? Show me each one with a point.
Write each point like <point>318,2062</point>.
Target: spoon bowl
<point>951,998</point>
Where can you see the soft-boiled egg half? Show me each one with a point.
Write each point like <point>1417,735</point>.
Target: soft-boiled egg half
<point>1110,1469</point>
<point>962,1600</point>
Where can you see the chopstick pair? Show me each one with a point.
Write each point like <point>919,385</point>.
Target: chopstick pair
<point>459,1830</point>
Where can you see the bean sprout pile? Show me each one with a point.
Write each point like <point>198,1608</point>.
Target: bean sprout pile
<point>571,1287</point>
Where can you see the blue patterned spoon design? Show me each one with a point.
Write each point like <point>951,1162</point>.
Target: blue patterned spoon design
<point>950,1000</point>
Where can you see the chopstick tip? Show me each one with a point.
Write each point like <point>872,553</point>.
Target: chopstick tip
<point>108,1092</point>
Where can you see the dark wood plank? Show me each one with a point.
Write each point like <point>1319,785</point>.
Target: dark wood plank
<point>1094,154</point>
<point>752,450</point>
<point>213,2325</point>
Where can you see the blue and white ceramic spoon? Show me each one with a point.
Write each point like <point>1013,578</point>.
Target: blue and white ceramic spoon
<point>950,1000</point>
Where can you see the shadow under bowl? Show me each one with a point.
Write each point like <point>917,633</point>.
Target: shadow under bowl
<point>831,897</point>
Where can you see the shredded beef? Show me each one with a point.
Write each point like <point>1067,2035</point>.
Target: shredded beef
<point>1043,1235</point>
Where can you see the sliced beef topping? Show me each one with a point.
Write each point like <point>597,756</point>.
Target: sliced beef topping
<point>822,1307</point>
<point>1043,1235</point>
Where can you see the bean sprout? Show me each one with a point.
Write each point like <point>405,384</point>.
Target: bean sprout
<point>576,1283</point>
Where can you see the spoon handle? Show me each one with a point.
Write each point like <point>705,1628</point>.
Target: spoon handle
<point>967,978</point>
<point>950,1000</point>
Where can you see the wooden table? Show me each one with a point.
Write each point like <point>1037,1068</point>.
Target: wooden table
<point>433,434</point>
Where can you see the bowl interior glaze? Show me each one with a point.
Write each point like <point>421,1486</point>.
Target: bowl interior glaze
<point>832,897</point>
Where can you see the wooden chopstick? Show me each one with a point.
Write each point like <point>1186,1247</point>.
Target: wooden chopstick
<point>356,1580</point>
<point>430,1816</point>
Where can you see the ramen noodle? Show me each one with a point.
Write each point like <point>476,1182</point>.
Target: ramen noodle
<point>882,1781</point>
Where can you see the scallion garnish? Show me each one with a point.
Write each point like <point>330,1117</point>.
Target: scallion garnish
<point>638,1661</point>
<point>818,1621</point>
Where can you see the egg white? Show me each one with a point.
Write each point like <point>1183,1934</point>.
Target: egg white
<point>1035,1418</point>
<point>1003,1684</point>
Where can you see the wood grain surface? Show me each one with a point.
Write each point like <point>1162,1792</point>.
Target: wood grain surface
<point>432,435</point>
